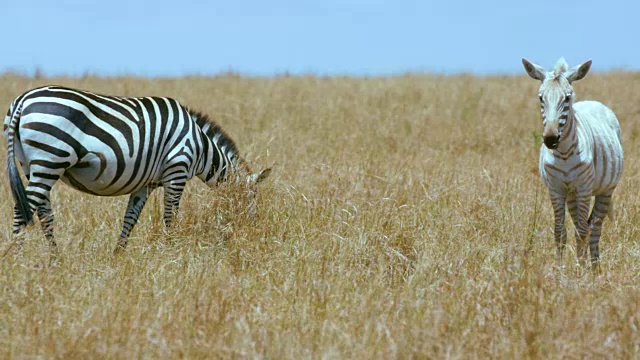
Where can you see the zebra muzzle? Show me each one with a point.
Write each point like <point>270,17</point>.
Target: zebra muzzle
<point>551,142</point>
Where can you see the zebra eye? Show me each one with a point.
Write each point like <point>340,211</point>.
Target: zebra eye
<point>540,97</point>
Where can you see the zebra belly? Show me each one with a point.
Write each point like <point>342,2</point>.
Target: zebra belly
<point>90,175</point>
<point>94,174</point>
<point>608,169</point>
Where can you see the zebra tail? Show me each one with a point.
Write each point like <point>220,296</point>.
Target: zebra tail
<point>17,188</point>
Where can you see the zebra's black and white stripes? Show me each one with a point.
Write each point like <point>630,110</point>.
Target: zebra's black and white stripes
<point>108,146</point>
<point>581,157</point>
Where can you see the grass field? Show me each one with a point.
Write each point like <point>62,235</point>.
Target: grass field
<point>404,218</point>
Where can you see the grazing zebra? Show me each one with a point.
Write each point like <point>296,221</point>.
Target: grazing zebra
<point>108,146</point>
<point>581,156</point>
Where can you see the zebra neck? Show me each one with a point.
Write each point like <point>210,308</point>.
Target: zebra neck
<point>223,162</point>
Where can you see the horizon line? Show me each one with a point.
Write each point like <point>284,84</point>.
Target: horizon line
<point>37,73</point>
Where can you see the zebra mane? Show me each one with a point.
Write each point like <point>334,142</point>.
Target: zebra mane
<point>219,137</point>
<point>560,68</point>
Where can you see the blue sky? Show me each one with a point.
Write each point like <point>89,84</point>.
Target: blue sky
<point>330,37</point>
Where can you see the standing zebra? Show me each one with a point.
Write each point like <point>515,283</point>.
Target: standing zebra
<point>108,146</point>
<point>581,156</point>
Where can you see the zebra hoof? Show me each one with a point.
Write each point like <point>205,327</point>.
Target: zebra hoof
<point>54,259</point>
<point>120,248</point>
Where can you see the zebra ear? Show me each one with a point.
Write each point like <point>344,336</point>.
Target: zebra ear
<point>259,176</point>
<point>535,71</point>
<point>578,72</point>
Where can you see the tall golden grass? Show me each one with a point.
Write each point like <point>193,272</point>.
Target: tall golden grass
<point>404,218</point>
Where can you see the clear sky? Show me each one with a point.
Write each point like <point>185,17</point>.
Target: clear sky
<point>328,37</point>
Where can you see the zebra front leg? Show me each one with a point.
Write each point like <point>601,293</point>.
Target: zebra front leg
<point>599,212</point>
<point>136,203</point>
<point>172,193</point>
<point>560,232</point>
<point>583,203</point>
<point>572,206</point>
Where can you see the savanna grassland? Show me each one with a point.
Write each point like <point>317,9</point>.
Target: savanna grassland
<point>404,218</point>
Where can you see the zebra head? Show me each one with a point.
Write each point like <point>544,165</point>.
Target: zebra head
<point>556,96</point>
<point>251,182</point>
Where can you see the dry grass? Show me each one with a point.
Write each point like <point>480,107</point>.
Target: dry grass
<point>404,218</point>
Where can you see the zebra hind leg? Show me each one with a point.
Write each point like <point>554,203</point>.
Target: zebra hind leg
<point>38,193</point>
<point>45,214</point>
<point>136,203</point>
<point>19,225</point>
